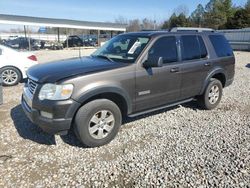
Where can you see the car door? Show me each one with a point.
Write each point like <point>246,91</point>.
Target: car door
<point>2,58</point>
<point>195,65</point>
<point>160,85</point>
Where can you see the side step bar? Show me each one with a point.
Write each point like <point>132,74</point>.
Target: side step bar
<point>160,108</point>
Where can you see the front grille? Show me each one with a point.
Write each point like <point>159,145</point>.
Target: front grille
<point>32,85</point>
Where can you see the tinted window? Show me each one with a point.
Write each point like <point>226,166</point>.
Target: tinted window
<point>221,45</point>
<point>190,48</point>
<point>203,49</point>
<point>165,47</point>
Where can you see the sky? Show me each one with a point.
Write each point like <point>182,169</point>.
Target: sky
<point>99,10</point>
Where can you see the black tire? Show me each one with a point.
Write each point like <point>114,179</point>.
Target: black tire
<point>205,100</point>
<point>83,122</point>
<point>14,70</point>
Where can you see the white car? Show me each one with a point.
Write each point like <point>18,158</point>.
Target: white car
<point>14,64</point>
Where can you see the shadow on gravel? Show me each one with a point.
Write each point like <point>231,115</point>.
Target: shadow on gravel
<point>28,130</point>
<point>72,140</point>
<point>248,65</point>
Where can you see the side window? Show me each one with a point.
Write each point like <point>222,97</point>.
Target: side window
<point>203,48</point>
<point>165,47</point>
<point>190,48</point>
<point>221,45</point>
<point>1,51</point>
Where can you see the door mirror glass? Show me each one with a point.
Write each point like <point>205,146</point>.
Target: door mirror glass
<point>153,61</point>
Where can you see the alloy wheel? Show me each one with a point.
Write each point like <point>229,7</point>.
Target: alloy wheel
<point>101,124</point>
<point>214,94</point>
<point>9,77</point>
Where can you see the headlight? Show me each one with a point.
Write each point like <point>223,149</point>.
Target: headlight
<point>56,92</point>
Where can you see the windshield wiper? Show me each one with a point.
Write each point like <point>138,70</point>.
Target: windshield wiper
<point>104,57</point>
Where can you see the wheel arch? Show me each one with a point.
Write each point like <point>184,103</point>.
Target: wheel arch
<point>116,95</point>
<point>13,67</point>
<point>219,74</point>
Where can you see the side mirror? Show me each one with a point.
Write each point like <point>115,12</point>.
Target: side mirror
<point>153,61</point>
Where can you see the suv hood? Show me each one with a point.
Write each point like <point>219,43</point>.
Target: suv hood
<point>55,71</point>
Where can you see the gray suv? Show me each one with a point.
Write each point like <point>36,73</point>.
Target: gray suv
<point>132,74</point>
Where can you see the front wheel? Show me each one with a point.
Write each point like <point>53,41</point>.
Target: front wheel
<point>10,76</point>
<point>212,95</point>
<point>98,122</point>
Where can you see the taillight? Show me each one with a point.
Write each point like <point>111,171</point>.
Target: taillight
<point>32,57</point>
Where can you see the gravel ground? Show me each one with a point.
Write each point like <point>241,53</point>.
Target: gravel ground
<point>179,147</point>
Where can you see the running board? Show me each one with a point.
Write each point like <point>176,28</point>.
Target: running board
<point>160,108</point>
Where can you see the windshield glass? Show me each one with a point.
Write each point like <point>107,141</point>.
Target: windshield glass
<point>123,48</point>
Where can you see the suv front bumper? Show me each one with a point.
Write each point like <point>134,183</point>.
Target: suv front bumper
<point>63,113</point>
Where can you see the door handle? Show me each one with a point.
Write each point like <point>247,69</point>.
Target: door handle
<point>207,64</point>
<point>175,69</point>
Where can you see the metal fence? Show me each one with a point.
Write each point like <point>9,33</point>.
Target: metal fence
<point>239,39</point>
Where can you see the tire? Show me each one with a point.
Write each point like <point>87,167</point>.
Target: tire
<point>14,73</point>
<point>97,122</point>
<point>212,95</point>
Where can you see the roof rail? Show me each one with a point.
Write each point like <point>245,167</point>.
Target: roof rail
<point>158,30</point>
<point>196,29</point>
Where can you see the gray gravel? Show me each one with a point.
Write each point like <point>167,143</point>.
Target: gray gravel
<point>179,147</point>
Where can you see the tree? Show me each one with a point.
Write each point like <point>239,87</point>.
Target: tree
<point>197,17</point>
<point>165,25</point>
<point>178,21</point>
<point>240,20</point>
<point>215,15</point>
<point>181,9</point>
<point>247,6</point>
<point>148,24</point>
<point>121,20</point>
<point>134,25</point>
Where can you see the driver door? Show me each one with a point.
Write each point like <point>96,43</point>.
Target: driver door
<point>159,86</point>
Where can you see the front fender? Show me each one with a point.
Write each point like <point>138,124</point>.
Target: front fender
<point>106,89</point>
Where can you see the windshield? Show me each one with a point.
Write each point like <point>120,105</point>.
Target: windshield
<point>123,48</point>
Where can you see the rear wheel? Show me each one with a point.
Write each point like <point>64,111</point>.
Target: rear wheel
<point>10,76</point>
<point>97,122</point>
<point>212,95</point>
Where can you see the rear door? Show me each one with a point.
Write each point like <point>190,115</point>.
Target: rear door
<point>159,85</point>
<point>195,65</point>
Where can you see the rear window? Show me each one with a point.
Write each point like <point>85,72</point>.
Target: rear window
<point>193,47</point>
<point>221,45</point>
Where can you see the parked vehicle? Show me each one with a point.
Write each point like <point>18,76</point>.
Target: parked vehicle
<point>51,45</point>
<point>130,75</point>
<point>80,40</point>
<point>73,41</point>
<point>23,43</point>
<point>14,64</point>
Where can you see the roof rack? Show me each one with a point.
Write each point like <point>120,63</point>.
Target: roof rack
<point>156,30</point>
<point>191,29</point>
